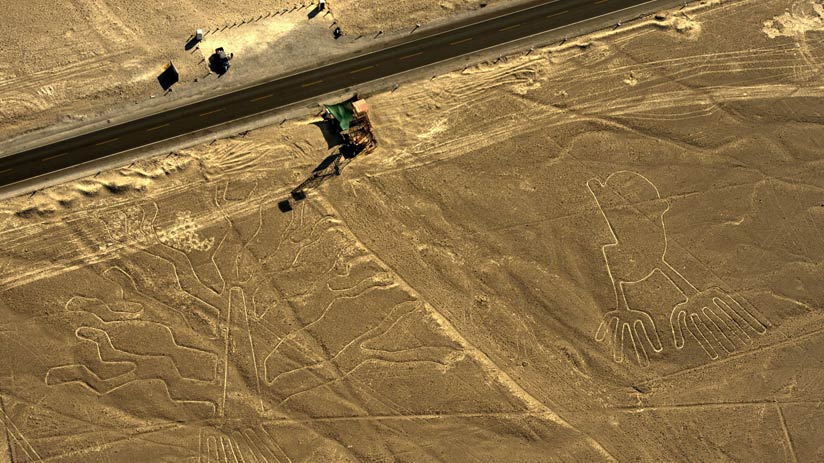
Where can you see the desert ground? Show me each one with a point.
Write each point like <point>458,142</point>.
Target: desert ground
<point>605,250</point>
<point>101,58</point>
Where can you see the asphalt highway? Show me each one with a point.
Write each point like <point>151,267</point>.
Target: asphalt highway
<point>420,50</point>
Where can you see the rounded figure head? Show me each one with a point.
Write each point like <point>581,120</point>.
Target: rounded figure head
<point>626,188</point>
<point>634,211</point>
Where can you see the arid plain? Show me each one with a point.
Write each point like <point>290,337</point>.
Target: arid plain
<point>605,250</point>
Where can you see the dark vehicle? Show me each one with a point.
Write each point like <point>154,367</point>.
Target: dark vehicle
<point>220,60</point>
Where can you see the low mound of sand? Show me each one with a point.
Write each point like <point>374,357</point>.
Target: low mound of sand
<point>681,24</point>
<point>803,17</point>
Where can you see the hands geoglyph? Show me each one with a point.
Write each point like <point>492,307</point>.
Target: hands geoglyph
<point>634,212</point>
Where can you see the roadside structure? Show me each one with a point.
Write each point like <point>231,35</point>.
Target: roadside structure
<point>352,119</point>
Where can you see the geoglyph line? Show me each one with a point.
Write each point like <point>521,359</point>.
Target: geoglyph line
<point>712,317</point>
<point>532,403</point>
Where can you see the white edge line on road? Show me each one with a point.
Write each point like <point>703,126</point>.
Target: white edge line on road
<point>311,98</point>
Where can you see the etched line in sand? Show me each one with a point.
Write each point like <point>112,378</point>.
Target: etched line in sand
<point>761,404</point>
<point>244,444</point>
<point>240,343</point>
<point>19,438</point>
<point>778,345</point>
<point>487,364</point>
<point>790,447</point>
<point>396,417</point>
<point>627,200</point>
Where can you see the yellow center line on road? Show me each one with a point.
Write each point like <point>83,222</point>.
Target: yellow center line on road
<point>53,156</point>
<point>508,28</point>
<point>106,141</point>
<point>410,56</point>
<point>361,69</point>
<point>6,170</point>
<point>557,14</point>
<point>309,84</point>
<point>598,2</point>
<point>461,41</point>
<point>159,126</point>
<point>262,97</point>
<point>211,112</point>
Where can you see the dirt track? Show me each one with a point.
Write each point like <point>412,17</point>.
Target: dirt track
<point>518,273</point>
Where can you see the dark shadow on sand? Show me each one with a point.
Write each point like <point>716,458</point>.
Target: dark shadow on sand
<point>168,77</point>
<point>331,132</point>
<point>191,43</point>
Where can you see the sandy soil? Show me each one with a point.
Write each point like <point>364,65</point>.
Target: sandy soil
<point>401,14</point>
<point>606,251</point>
<point>102,59</point>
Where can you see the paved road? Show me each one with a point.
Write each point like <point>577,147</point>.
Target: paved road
<point>422,50</point>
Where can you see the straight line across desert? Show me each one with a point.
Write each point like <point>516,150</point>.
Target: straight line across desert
<point>606,247</point>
